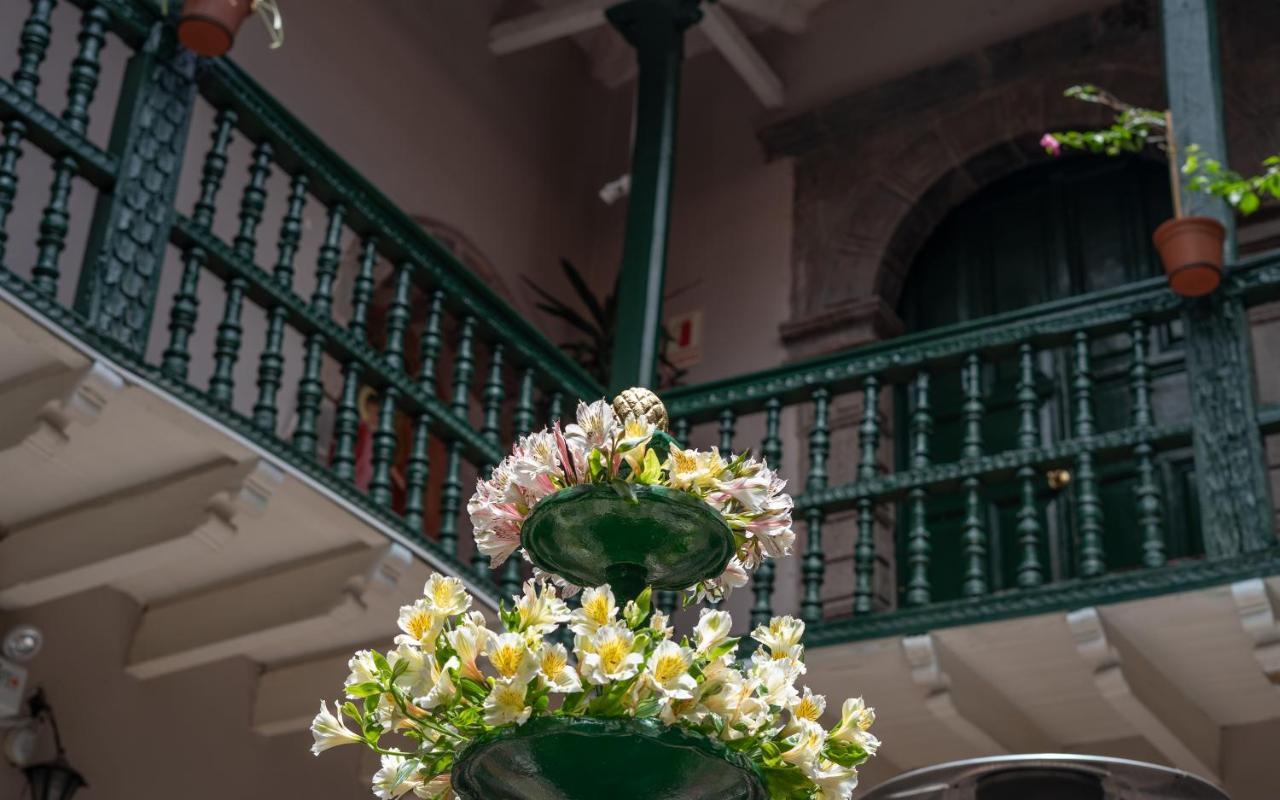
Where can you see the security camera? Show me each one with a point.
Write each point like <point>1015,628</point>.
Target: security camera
<point>21,644</point>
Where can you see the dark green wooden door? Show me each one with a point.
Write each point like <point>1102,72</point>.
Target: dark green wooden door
<point>1071,226</point>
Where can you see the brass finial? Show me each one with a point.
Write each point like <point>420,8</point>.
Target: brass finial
<point>641,404</point>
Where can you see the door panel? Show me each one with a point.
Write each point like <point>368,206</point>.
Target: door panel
<point>1070,226</point>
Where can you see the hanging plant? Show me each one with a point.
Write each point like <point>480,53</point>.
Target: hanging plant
<point>1190,247</point>
<point>630,712</point>
<point>209,27</point>
<point>614,498</point>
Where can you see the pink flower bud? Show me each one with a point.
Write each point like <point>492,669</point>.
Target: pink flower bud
<point>1050,144</point>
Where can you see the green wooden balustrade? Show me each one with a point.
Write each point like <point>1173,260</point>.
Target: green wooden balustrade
<point>454,374</point>
<point>439,306</point>
<point>995,472</point>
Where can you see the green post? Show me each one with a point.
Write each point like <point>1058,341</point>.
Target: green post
<point>130,228</point>
<point>656,29</point>
<point>1231,476</point>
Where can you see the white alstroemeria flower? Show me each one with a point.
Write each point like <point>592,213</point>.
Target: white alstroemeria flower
<point>834,782</point>
<point>540,609</point>
<point>598,609</point>
<point>363,670</point>
<point>421,623</point>
<point>470,640</point>
<point>398,777</point>
<point>511,658</point>
<point>417,678</point>
<point>442,690</point>
<point>777,682</point>
<point>722,688</point>
<point>712,630</point>
<point>597,425</point>
<point>782,636</point>
<point>497,543</point>
<point>555,671</point>
<point>636,434</point>
<point>805,745</point>
<point>856,717</point>
<point>446,595</point>
<point>808,706</point>
<point>658,624</point>
<point>506,703</point>
<point>668,671</point>
<point>607,655</point>
<point>535,461</point>
<point>693,470</point>
<point>329,731</point>
<point>438,788</point>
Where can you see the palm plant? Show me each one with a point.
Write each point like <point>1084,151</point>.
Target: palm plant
<point>597,319</point>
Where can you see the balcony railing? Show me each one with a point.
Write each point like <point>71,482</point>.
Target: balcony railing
<point>900,453</point>
<point>454,370</point>
<point>899,494</point>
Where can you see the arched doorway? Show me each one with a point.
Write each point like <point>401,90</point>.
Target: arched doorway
<point>1045,233</point>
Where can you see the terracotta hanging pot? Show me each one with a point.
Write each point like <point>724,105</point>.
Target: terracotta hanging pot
<point>208,27</point>
<point>1191,249</point>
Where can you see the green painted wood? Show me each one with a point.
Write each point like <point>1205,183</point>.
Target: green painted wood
<point>492,396</point>
<point>33,44</point>
<point>186,301</point>
<point>727,418</point>
<point>918,546</point>
<point>1194,88</point>
<point>1147,490</point>
<point>512,578</point>
<point>463,368</point>
<point>680,428</point>
<point>771,451</point>
<point>864,548</point>
<point>384,448</point>
<point>655,28</point>
<point>451,498</point>
<point>271,362</point>
<point>346,423</point>
<point>432,341</point>
<point>416,471</point>
<point>129,232</point>
<point>555,405</point>
<point>976,581</point>
<point>1092,560</point>
<point>81,85</point>
<point>813,566</point>
<point>362,290</point>
<point>1030,570</point>
<point>228,340</point>
<point>384,436</point>
<point>1236,508</point>
<point>522,418</point>
<point>310,387</point>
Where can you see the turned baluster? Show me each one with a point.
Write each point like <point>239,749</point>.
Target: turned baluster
<point>33,45</point>
<point>227,343</point>
<point>1030,571</point>
<point>271,364</point>
<point>727,418</point>
<point>310,389</point>
<point>451,490</point>
<point>186,302</point>
<point>1147,491</point>
<point>975,534</point>
<point>814,565</point>
<point>384,436</point>
<point>81,85</point>
<point>864,549</point>
<point>418,467</point>
<point>919,591</point>
<point>492,396</point>
<point>522,419</point>
<point>1092,562</point>
<point>346,419</point>
<point>771,452</point>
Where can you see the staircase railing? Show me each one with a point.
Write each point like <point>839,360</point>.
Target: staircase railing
<point>437,382</point>
<point>885,503</point>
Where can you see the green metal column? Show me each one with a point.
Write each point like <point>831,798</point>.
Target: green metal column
<point>656,29</point>
<point>1231,476</point>
<point>130,228</point>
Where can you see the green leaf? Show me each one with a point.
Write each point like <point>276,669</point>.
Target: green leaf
<point>649,707</point>
<point>596,468</point>
<point>472,689</point>
<point>652,469</point>
<point>380,663</point>
<point>1248,204</point>
<point>727,646</point>
<point>366,689</point>
<point>844,753</point>
<point>625,490</point>
<point>573,703</point>
<point>785,783</point>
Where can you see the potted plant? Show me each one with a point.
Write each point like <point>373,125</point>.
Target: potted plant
<point>209,27</point>
<point>1190,247</point>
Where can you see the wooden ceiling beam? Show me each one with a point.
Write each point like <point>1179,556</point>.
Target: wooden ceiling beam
<point>530,30</point>
<point>745,59</point>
